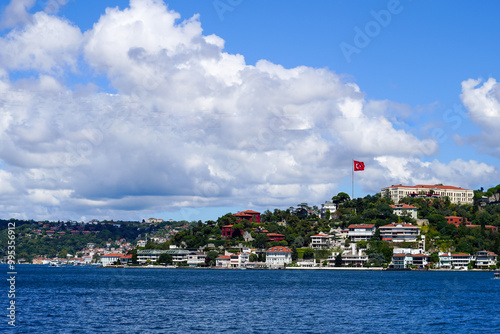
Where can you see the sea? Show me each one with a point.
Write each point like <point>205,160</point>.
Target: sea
<point>84,299</point>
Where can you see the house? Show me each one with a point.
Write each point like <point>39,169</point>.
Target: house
<point>403,209</point>
<point>327,206</point>
<point>456,195</point>
<point>449,260</point>
<point>278,257</point>
<point>420,260</point>
<point>401,261</point>
<point>275,237</point>
<point>223,261</point>
<point>399,232</point>
<point>361,232</point>
<point>228,231</point>
<point>456,220</point>
<point>110,259</point>
<point>321,241</point>
<point>196,258</point>
<point>485,259</point>
<point>238,260</point>
<point>252,216</point>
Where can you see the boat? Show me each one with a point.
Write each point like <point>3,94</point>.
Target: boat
<point>54,264</point>
<point>497,276</point>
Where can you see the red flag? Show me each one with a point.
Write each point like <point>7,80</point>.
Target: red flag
<point>359,165</point>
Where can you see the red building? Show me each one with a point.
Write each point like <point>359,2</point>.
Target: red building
<point>229,231</point>
<point>456,220</point>
<point>459,220</point>
<point>249,215</point>
<point>275,237</point>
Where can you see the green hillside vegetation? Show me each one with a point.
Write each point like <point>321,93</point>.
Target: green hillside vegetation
<point>298,226</point>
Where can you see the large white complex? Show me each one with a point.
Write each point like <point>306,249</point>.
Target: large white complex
<point>455,194</point>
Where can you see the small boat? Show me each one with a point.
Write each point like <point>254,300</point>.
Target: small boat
<point>497,276</point>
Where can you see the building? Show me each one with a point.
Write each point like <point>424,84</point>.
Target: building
<point>455,220</point>
<point>403,209</point>
<point>449,260</point>
<point>229,232</point>
<point>361,232</point>
<point>354,258</point>
<point>404,260</point>
<point>456,195</point>
<point>178,255</point>
<point>401,261</point>
<point>321,241</point>
<point>459,220</point>
<point>275,237</point>
<point>223,261</point>
<point>196,258</point>
<point>399,232</point>
<point>112,258</point>
<point>485,259</point>
<point>278,257</point>
<point>238,260</point>
<point>252,216</point>
<point>327,206</point>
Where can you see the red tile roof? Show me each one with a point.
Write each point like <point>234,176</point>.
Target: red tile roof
<point>427,187</point>
<point>279,249</point>
<point>223,257</point>
<point>399,225</point>
<point>113,255</point>
<point>361,226</point>
<point>402,206</point>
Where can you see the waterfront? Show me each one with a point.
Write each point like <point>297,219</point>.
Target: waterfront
<point>94,300</point>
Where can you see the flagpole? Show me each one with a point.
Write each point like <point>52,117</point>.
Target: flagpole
<point>352,180</point>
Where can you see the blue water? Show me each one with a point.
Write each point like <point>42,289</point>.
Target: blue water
<point>94,300</point>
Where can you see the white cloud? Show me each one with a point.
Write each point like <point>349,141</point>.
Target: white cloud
<point>189,125</point>
<point>16,13</point>
<point>465,174</point>
<point>483,107</point>
<point>47,44</point>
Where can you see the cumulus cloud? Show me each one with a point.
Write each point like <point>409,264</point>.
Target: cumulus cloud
<point>187,125</point>
<point>16,13</point>
<point>483,106</point>
<point>48,44</point>
<point>412,171</point>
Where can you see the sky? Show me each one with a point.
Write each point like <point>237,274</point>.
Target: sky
<point>188,110</point>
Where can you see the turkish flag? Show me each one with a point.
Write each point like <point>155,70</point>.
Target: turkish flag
<point>358,165</point>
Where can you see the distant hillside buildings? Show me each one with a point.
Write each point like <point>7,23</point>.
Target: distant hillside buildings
<point>456,195</point>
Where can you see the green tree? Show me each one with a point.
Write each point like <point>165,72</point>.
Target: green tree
<point>211,258</point>
<point>166,258</point>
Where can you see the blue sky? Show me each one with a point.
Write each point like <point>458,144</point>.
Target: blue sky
<point>210,107</point>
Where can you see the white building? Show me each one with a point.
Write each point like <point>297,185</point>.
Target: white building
<point>238,260</point>
<point>455,194</point>
<point>278,257</point>
<point>110,259</point>
<point>485,259</point>
<point>399,232</point>
<point>361,232</point>
<point>449,260</point>
<point>403,209</point>
<point>321,241</point>
<point>196,258</point>
<point>327,206</point>
<point>223,261</point>
<point>401,261</point>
